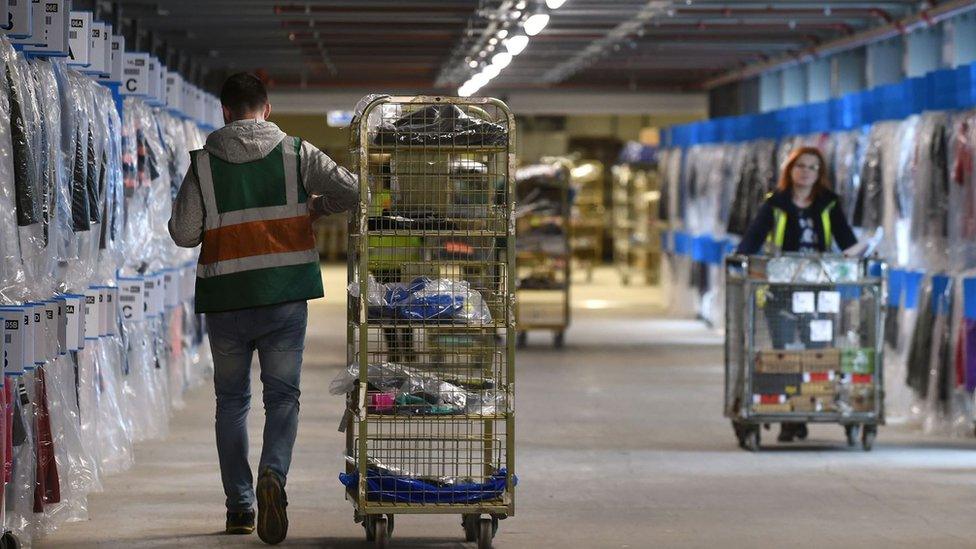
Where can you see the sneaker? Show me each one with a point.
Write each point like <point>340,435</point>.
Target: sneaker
<point>272,518</point>
<point>240,522</point>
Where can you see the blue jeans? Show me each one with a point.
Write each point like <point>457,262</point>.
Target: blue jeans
<point>277,332</point>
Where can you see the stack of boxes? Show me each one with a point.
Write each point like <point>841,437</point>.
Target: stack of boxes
<point>814,381</point>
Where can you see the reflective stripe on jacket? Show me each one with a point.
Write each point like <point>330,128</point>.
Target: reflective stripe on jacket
<point>258,248</point>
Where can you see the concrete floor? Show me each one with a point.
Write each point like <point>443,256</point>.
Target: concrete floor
<point>621,443</point>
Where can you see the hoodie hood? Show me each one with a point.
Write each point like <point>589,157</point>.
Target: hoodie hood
<point>244,141</point>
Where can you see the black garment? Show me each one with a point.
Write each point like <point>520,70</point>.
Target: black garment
<point>764,223</point>
<point>920,350</point>
<point>440,125</point>
<point>28,207</point>
<point>869,208</point>
<point>809,239</point>
<point>756,179</point>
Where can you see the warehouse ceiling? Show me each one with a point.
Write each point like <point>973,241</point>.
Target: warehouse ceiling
<point>430,44</point>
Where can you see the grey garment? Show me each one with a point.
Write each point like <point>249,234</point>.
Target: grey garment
<point>331,188</point>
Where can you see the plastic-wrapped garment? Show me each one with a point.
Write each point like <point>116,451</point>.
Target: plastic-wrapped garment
<point>19,492</point>
<point>385,487</point>
<point>931,181</point>
<point>78,113</point>
<point>57,183</point>
<point>939,387</point>
<point>847,151</point>
<point>12,276</point>
<point>426,299</point>
<point>165,251</point>
<point>114,440</point>
<point>401,390</point>
<point>919,354</point>
<point>78,470</point>
<point>47,490</point>
<point>442,125</point>
<point>87,395</point>
<point>869,206</point>
<point>137,230</point>
<point>25,244</point>
<point>924,222</point>
<point>111,245</point>
<point>145,398</point>
<point>758,177</point>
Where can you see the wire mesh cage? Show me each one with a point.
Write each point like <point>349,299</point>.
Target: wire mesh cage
<point>431,311</point>
<point>804,341</point>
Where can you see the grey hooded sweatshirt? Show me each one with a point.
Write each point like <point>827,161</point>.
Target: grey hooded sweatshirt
<point>331,188</point>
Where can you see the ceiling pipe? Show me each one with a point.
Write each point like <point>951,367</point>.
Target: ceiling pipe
<point>926,18</point>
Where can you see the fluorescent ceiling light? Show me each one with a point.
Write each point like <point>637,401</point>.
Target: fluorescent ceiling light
<point>555,4</point>
<point>501,60</point>
<point>517,44</point>
<point>491,71</point>
<point>534,25</point>
<point>502,34</point>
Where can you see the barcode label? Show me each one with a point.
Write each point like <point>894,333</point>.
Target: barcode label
<point>48,20</point>
<point>126,298</point>
<point>12,3</point>
<point>132,72</point>
<point>73,35</point>
<point>8,338</point>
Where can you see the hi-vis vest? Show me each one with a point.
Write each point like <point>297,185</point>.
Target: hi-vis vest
<point>258,247</point>
<point>778,235</point>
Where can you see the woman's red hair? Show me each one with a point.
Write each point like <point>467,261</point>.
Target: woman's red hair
<point>786,179</point>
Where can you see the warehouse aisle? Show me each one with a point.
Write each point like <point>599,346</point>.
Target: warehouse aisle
<point>621,444</point>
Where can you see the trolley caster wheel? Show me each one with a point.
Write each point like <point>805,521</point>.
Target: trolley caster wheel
<point>626,280</point>
<point>853,433</point>
<point>486,532</point>
<point>382,532</point>
<point>9,541</point>
<point>802,432</point>
<point>752,440</point>
<point>867,439</point>
<point>470,524</point>
<point>559,340</point>
<point>521,340</point>
<point>740,433</point>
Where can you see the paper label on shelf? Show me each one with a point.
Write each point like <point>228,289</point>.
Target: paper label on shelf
<point>803,302</point>
<point>54,28</point>
<point>173,279</point>
<point>51,329</point>
<point>821,331</point>
<point>91,314</point>
<point>62,328</point>
<point>79,39</point>
<point>28,318</point>
<point>18,22</point>
<point>174,90</point>
<point>38,38</point>
<point>132,300</point>
<point>13,340</point>
<point>74,320</point>
<point>828,302</point>
<point>153,79</point>
<point>112,304</point>
<point>106,51</point>
<point>103,311</point>
<point>154,295</point>
<point>40,334</point>
<point>96,48</point>
<point>117,54</point>
<point>135,74</point>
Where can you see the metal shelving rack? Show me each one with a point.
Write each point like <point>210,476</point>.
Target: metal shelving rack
<point>431,418</point>
<point>636,235</point>
<point>589,223</point>
<point>544,270</point>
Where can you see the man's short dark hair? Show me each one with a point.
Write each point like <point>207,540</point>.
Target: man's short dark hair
<point>243,93</point>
